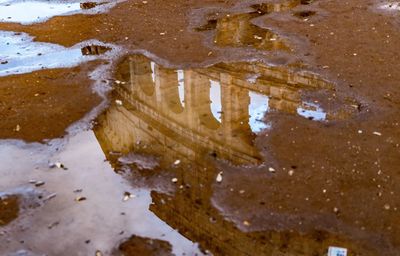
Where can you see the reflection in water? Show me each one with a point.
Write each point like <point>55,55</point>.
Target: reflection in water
<point>150,119</point>
<point>20,54</point>
<point>239,30</point>
<point>38,11</point>
<point>104,218</point>
<point>215,96</point>
<point>257,108</point>
<point>192,112</point>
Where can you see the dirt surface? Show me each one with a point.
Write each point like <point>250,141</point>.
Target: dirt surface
<point>241,127</point>
<point>60,96</point>
<point>9,209</point>
<point>144,246</point>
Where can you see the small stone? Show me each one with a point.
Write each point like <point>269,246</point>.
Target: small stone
<point>377,133</point>
<point>118,102</point>
<point>219,177</point>
<point>246,223</point>
<point>291,172</point>
<point>387,207</point>
<point>270,169</point>
<point>177,162</point>
<point>128,196</point>
<point>80,198</point>
<point>39,183</point>
<point>174,180</point>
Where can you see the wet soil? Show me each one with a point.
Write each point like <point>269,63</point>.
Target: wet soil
<point>9,209</point>
<point>145,246</point>
<point>61,97</point>
<point>235,128</point>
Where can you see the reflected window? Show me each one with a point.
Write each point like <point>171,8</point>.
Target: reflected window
<point>181,86</point>
<point>215,97</point>
<point>257,109</point>
<point>153,71</point>
<point>311,111</point>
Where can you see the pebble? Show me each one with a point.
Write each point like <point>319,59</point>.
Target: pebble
<point>80,199</point>
<point>219,177</point>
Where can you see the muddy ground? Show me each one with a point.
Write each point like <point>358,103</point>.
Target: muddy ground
<point>195,127</point>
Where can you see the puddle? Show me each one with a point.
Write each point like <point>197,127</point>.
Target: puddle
<point>217,110</point>
<point>241,29</point>
<point>104,220</point>
<point>194,137</point>
<point>391,6</point>
<point>20,54</point>
<point>41,11</point>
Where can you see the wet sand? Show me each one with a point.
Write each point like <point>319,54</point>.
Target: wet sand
<point>228,128</point>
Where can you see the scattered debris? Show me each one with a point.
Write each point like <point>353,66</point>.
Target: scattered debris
<point>336,210</point>
<point>377,133</point>
<point>80,198</point>
<point>219,177</point>
<point>58,165</point>
<point>39,183</point>
<point>52,225</point>
<point>127,196</point>
<point>51,196</point>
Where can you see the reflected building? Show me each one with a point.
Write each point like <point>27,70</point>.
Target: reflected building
<point>215,110</point>
<point>192,114</point>
<point>239,30</point>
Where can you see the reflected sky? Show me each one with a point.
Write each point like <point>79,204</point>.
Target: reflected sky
<point>103,188</point>
<point>20,54</point>
<point>257,109</point>
<point>26,12</point>
<point>215,97</point>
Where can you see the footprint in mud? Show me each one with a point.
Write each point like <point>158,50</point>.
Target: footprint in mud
<point>20,54</point>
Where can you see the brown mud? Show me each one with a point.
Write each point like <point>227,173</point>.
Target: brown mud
<point>232,128</point>
<point>9,209</point>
